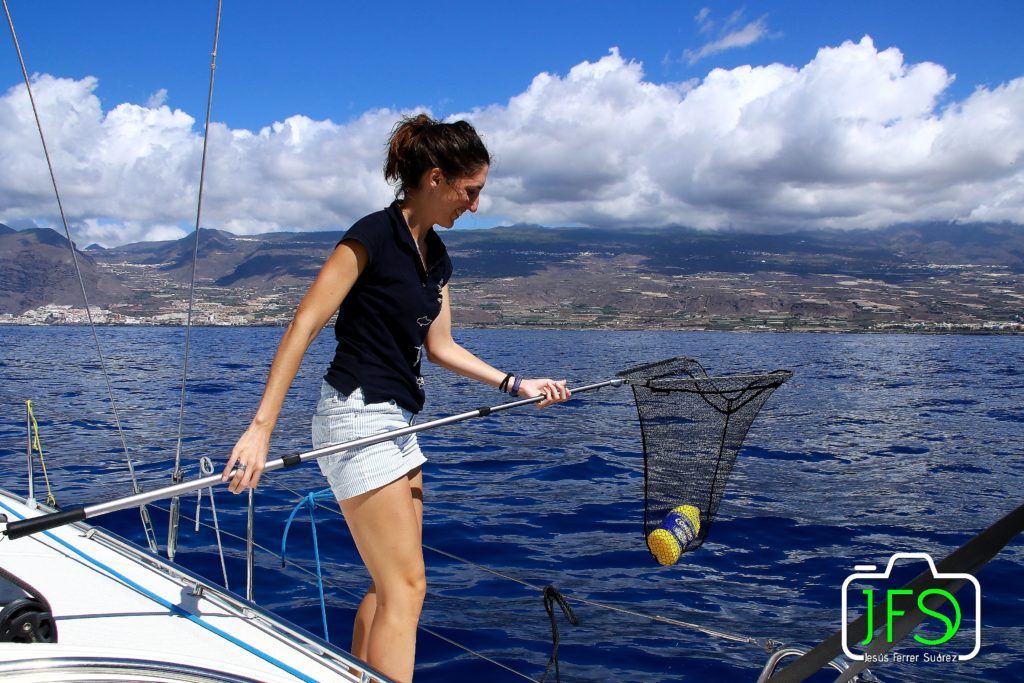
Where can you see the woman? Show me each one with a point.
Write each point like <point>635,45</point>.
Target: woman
<point>388,278</point>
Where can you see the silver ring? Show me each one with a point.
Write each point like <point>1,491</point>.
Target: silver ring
<point>241,468</point>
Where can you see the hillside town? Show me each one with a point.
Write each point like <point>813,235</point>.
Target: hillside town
<point>591,293</point>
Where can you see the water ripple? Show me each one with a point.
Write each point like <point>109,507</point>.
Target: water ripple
<point>879,443</point>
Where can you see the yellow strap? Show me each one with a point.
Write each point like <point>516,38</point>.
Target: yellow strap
<point>38,446</point>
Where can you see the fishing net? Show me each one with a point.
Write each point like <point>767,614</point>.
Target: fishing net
<point>693,427</point>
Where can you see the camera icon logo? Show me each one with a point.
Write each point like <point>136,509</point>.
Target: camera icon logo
<point>895,602</point>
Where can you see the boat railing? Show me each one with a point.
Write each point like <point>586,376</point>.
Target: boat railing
<point>252,546</point>
<point>838,664</point>
<point>78,668</point>
<point>255,615</point>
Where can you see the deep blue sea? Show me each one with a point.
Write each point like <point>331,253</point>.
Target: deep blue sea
<point>879,444</point>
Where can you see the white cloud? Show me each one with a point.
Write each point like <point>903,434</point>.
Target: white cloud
<point>854,138</point>
<point>704,22</point>
<point>729,36</point>
<point>742,37</point>
<point>157,99</point>
<point>132,173</point>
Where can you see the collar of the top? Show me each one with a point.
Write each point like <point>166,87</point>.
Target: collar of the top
<point>435,247</point>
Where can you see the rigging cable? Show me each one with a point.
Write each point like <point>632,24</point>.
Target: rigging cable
<point>206,469</point>
<point>767,644</point>
<point>147,524</point>
<point>357,597</point>
<point>177,475</point>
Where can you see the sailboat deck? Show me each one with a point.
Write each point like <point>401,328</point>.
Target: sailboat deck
<point>106,600</point>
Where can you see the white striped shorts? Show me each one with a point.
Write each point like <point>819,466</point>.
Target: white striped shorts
<point>341,418</point>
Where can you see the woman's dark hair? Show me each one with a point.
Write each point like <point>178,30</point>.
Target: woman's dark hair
<point>419,143</point>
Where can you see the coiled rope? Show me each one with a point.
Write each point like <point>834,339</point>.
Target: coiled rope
<point>147,524</point>
<point>37,446</point>
<point>551,598</point>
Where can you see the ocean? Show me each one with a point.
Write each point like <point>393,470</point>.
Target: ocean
<point>878,444</point>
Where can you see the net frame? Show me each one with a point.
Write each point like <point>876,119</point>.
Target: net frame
<point>693,426</point>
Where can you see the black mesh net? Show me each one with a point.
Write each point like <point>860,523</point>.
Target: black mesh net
<point>693,427</point>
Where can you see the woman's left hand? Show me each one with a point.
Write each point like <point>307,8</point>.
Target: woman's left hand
<point>553,391</point>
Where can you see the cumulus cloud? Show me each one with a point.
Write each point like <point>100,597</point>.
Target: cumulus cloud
<point>132,173</point>
<point>855,138</point>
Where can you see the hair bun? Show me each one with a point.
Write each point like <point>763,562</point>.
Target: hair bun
<point>419,143</point>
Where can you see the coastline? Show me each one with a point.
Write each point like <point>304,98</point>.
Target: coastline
<point>944,329</point>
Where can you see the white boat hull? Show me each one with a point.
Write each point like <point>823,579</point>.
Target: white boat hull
<point>116,603</point>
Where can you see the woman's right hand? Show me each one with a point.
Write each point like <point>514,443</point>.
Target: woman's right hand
<point>552,391</point>
<point>248,458</point>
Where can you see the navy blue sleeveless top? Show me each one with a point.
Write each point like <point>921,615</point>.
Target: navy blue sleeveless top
<point>385,317</point>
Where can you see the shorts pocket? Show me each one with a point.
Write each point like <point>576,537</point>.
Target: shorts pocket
<point>333,428</point>
<point>333,402</point>
<point>383,407</point>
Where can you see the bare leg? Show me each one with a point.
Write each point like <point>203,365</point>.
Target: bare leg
<point>364,618</point>
<point>368,605</point>
<point>386,525</point>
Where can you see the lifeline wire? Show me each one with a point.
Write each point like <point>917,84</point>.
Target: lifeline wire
<point>357,598</point>
<point>177,474</point>
<point>768,645</point>
<point>147,524</point>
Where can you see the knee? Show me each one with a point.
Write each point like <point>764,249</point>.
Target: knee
<point>405,592</point>
<point>415,586</point>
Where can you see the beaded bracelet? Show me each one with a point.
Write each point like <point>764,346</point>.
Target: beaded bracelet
<point>515,387</point>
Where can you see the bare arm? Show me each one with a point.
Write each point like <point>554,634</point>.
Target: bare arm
<point>443,350</point>
<point>332,285</point>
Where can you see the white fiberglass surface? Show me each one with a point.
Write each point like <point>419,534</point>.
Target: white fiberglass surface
<point>142,613</point>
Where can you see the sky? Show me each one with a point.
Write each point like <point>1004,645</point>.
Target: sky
<point>756,116</point>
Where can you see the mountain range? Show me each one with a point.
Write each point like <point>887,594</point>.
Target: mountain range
<point>895,252</point>
<point>36,268</point>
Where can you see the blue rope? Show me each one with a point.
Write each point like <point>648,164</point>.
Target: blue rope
<point>309,502</point>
